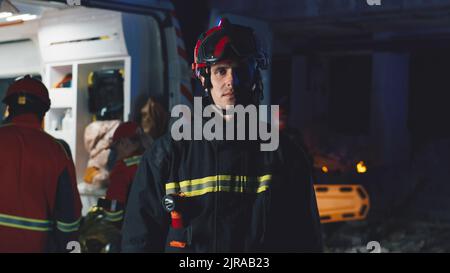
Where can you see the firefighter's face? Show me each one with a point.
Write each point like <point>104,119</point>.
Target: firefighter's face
<point>222,80</point>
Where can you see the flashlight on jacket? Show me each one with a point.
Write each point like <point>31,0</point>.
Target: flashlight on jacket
<point>173,204</point>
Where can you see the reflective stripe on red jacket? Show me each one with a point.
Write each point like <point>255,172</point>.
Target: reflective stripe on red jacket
<point>121,177</point>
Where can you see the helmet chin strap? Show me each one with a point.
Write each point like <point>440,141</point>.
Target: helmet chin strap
<point>207,97</point>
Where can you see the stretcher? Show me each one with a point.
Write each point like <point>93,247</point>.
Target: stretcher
<point>338,203</point>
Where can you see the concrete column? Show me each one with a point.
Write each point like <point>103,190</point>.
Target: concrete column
<point>301,100</point>
<point>389,112</point>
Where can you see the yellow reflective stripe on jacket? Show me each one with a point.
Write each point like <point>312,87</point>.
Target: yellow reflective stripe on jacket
<point>68,227</point>
<point>223,183</point>
<point>25,223</point>
<point>114,216</point>
<point>132,160</point>
<point>7,124</point>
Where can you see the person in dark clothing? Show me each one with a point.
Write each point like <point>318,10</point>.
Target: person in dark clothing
<point>223,195</point>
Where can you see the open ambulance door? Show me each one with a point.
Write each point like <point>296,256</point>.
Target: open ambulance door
<point>168,74</point>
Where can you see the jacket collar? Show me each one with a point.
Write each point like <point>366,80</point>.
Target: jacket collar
<point>27,120</point>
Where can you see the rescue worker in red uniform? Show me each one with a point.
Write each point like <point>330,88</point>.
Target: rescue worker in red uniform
<point>223,195</point>
<point>40,206</point>
<point>129,149</point>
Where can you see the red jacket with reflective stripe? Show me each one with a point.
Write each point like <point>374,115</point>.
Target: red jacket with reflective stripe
<point>121,177</point>
<point>40,206</point>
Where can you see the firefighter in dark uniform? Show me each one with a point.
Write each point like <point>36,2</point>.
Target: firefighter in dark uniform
<point>129,149</point>
<point>223,195</point>
<point>40,208</point>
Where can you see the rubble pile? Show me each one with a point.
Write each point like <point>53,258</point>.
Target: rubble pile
<point>393,235</point>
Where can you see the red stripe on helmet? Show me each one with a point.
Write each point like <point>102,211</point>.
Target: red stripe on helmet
<point>210,31</point>
<point>220,47</point>
<point>200,41</point>
<point>197,46</point>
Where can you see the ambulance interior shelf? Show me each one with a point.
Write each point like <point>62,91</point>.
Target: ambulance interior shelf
<point>65,82</point>
<point>61,113</point>
<point>61,76</point>
<point>61,119</point>
<point>105,88</point>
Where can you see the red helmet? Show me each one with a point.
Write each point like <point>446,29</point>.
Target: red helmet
<point>27,85</point>
<point>125,130</point>
<point>221,43</point>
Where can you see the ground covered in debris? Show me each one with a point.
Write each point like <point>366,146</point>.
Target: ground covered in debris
<point>393,235</point>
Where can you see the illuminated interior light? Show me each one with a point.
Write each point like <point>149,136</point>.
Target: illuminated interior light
<point>5,14</point>
<point>324,169</point>
<point>23,17</point>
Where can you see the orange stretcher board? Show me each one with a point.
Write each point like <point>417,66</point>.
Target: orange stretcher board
<point>337,203</point>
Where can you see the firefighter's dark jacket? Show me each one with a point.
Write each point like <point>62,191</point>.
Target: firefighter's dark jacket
<point>236,198</point>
